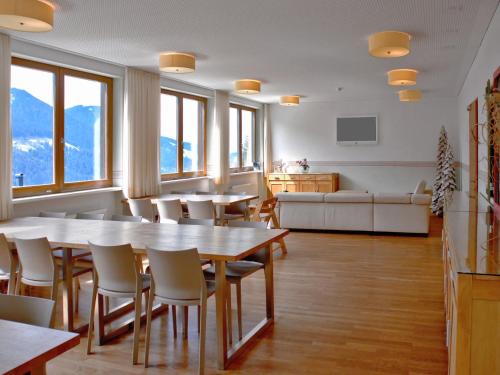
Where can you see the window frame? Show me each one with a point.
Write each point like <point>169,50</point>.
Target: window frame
<point>239,108</point>
<point>180,136</point>
<point>59,185</point>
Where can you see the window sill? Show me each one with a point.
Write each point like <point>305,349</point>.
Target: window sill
<point>185,179</point>
<point>38,198</point>
<point>244,173</point>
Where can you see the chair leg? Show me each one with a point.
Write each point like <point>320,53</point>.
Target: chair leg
<point>284,250</point>
<point>148,327</point>
<point>198,308</point>
<point>238,301</point>
<point>185,321</point>
<point>91,316</point>
<point>55,289</point>
<point>76,289</point>
<point>17,289</point>
<point>174,320</point>
<point>203,330</point>
<point>229,314</point>
<point>106,304</point>
<point>137,326</point>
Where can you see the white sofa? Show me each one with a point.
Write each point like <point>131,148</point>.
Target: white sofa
<point>356,211</point>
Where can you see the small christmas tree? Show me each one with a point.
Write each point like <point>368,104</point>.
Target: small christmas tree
<point>444,182</point>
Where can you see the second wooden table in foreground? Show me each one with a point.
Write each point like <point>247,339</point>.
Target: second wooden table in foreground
<point>219,244</point>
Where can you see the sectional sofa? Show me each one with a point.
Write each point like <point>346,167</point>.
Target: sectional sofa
<point>356,211</point>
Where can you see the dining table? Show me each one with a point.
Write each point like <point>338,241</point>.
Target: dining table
<point>217,244</point>
<point>25,348</point>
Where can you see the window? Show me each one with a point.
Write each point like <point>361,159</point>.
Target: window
<point>241,137</point>
<point>182,138</point>
<point>61,129</point>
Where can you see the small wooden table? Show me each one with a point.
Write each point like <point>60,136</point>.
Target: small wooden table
<point>219,244</point>
<point>25,348</point>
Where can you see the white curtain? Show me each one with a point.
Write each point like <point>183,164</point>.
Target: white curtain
<point>219,141</point>
<point>5,130</point>
<point>267,142</point>
<point>142,133</point>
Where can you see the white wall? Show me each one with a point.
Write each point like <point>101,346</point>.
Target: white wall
<point>486,62</point>
<point>408,135</point>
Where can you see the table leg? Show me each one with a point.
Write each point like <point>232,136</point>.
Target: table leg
<point>220,311</point>
<point>221,211</point>
<point>67,268</point>
<point>269,275</point>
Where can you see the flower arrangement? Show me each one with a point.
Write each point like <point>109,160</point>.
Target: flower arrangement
<point>304,164</point>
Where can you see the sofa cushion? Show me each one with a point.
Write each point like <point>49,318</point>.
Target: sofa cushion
<point>392,198</point>
<point>424,199</point>
<point>349,197</point>
<point>420,188</point>
<point>300,197</point>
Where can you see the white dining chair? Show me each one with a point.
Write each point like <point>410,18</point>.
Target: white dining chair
<point>142,207</point>
<point>89,216</point>
<point>201,209</point>
<point>132,219</point>
<point>57,215</point>
<point>177,279</point>
<point>237,271</point>
<point>29,310</point>
<point>189,221</point>
<point>117,273</point>
<point>170,211</point>
<point>8,264</point>
<point>37,266</point>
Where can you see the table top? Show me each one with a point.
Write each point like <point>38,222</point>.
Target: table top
<point>24,346</point>
<point>217,199</point>
<point>214,243</point>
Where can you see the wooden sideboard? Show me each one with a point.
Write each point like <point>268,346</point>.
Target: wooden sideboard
<point>303,182</point>
<point>471,259</point>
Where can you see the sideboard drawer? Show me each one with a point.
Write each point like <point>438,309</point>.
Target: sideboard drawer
<point>324,177</point>
<point>275,177</point>
<point>291,177</point>
<point>308,178</point>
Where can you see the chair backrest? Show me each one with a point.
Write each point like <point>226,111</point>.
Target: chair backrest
<point>237,208</point>
<point>116,267</point>
<point>201,209</point>
<point>265,207</point>
<point>142,207</point>
<point>189,221</point>
<point>133,219</point>
<point>59,215</point>
<point>29,310</point>
<point>248,224</point>
<point>5,255</point>
<point>181,192</point>
<point>420,188</point>
<point>35,256</point>
<point>203,193</point>
<point>177,274</point>
<point>170,211</point>
<point>86,216</point>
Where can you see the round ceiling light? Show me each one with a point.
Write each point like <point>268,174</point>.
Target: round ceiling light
<point>410,95</point>
<point>402,77</point>
<point>290,100</point>
<point>387,44</point>
<point>247,86</point>
<point>177,62</point>
<point>26,15</point>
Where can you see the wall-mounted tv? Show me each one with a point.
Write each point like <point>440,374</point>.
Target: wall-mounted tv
<point>357,130</point>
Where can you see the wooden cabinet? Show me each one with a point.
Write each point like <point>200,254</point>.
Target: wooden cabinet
<point>303,182</point>
<point>472,293</point>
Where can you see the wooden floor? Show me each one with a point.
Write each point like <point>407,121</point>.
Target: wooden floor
<point>345,304</point>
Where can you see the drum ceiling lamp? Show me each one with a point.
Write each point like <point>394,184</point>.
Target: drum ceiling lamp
<point>26,15</point>
<point>402,77</point>
<point>290,100</point>
<point>388,44</point>
<point>177,62</point>
<point>410,95</point>
<point>247,86</point>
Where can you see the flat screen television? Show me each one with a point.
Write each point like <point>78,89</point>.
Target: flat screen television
<point>357,130</point>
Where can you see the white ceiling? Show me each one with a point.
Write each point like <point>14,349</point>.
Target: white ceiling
<point>303,47</point>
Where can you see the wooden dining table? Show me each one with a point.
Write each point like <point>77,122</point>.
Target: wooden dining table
<point>27,348</point>
<point>218,244</point>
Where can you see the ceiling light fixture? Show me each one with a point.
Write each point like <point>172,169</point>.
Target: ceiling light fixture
<point>247,86</point>
<point>26,15</point>
<point>387,44</point>
<point>410,95</point>
<point>290,100</point>
<point>177,62</point>
<point>402,77</point>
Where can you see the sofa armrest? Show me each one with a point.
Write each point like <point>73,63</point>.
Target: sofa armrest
<point>423,199</point>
